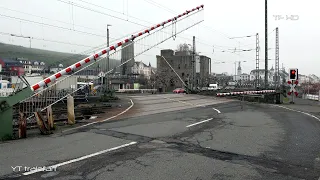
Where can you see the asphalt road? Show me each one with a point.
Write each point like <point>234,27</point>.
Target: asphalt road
<point>177,137</point>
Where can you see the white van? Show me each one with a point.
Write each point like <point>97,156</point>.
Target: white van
<point>213,87</point>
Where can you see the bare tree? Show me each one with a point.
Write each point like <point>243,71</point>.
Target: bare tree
<point>142,79</point>
<point>162,78</point>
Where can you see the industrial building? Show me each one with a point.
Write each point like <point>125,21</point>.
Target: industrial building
<point>181,61</point>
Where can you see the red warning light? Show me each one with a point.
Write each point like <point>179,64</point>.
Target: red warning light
<point>293,72</point>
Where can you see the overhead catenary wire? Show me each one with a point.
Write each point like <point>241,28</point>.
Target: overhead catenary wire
<point>172,11</point>
<point>42,17</point>
<point>113,16</point>
<point>60,27</point>
<point>49,40</point>
<point>225,35</point>
<point>88,33</point>
<point>228,37</point>
<point>132,22</point>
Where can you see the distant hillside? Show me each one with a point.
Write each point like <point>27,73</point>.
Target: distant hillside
<point>49,57</point>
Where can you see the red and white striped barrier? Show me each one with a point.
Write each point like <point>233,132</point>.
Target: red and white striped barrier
<point>245,92</point>
<point>104,51</point>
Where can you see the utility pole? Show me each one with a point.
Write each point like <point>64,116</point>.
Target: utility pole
<point>277,59</point>
<point>193,60</point>
<point>108,60</point>
<point>235,71</point>
<point>266,45</point>
<point>257,79</point>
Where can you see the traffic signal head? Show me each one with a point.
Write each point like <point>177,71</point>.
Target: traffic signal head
<point>293,74</point>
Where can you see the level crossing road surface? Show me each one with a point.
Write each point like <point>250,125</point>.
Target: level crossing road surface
<point>176,136</point>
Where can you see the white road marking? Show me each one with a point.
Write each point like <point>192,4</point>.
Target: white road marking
<point>103,120</point>
<point>216,110</point>
<point>298,111</point>
<point>199,122</point>
<point>197,105</point>
<point>79,159</point>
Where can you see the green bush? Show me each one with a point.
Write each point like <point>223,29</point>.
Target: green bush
<point>7,137</point>
<point>108,97</point>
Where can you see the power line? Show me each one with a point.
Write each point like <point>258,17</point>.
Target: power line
<point>93,10</point>
<point>60,27</point>
<point>96,5</point>
<point>172,11</point>
<point>49,18</point>
<point>90,9</point>
<point>160,6</point>
<point>48,40</point>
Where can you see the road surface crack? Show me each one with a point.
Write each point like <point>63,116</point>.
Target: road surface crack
<point>278,166</point>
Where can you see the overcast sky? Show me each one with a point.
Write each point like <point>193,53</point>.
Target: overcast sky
<point>83,26</point>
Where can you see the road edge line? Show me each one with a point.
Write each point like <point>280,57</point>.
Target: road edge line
<point>217,110</point>
<point>132,103</point>
<point>313,116</point>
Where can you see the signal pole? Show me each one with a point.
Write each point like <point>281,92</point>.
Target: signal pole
<point>277,59</point>
<point>257,61</point>
<point>266,45</point>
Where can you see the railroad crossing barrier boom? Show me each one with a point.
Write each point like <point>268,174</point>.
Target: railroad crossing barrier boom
<point>245,92</point>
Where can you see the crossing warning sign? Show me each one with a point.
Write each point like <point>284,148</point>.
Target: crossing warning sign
<point>293,84</point>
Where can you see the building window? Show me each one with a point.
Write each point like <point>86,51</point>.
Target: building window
<point>179,66</point>
<point>182,74</point>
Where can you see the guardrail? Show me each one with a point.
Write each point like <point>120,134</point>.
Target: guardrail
<point>136,90</point>
<point>311,97</point>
